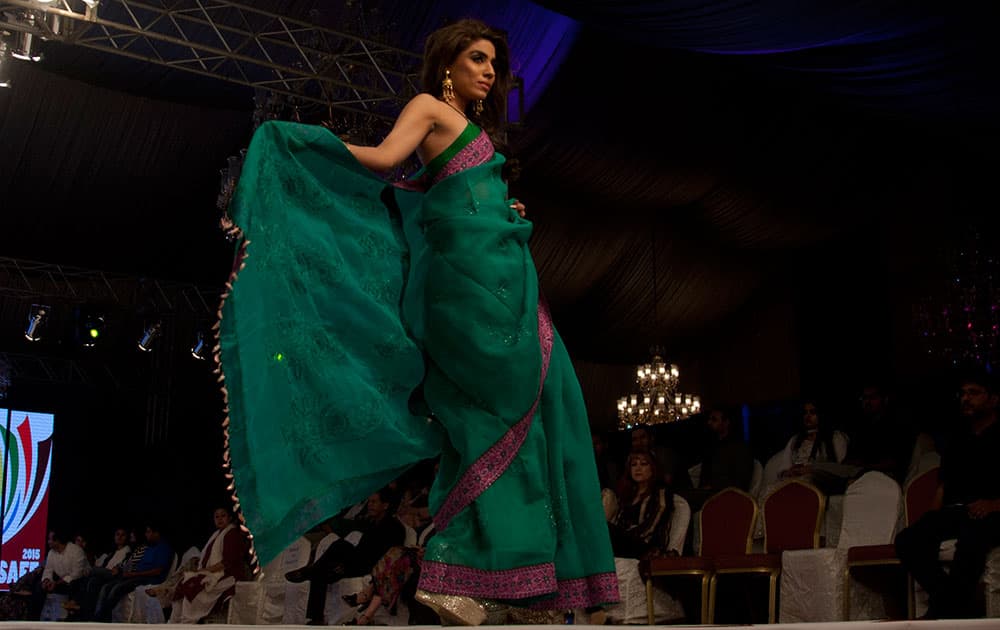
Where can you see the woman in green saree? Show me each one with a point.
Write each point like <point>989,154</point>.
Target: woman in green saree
<point>373,326</point>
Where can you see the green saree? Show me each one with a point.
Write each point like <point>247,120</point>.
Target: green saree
<point>368,327</point>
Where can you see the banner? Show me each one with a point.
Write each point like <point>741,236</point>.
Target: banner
<point>25,466</point>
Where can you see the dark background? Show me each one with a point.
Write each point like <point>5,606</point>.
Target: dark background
<point>808,174</point>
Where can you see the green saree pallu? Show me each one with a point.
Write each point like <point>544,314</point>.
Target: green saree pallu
<point>367,327</point>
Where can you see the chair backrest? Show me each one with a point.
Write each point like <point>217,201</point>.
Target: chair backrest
<point>680,520</point>
<point>919,494</point>
<point>694,474</point>
<point>793,514</point>
<point>294,556</point>
<point>192,552</point>
<point>757,479</point>
<point>726,522</point>
<point>871,511</point>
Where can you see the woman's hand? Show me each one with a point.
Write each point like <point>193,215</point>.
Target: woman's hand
<point>518,207</point>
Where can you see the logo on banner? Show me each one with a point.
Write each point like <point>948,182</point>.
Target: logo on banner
<point>27,463</point>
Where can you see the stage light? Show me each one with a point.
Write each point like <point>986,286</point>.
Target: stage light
<point>149,336</point>
<point>24,46</point>
<point>199,349</point>
<point>36,318</point>
<point>93,329</point>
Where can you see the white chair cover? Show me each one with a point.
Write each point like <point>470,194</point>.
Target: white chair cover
<point>694,473</point>
<point>262,601</point>
<point>52,609</point>
<point>812,580</point>
<point>680,522</point>
<point>992,579</point>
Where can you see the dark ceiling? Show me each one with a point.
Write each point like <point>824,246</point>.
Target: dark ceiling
<point>751,164</point>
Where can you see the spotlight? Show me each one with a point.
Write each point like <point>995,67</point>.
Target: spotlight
<point>149,336</point>
<point>89,325</point>
<point>24,46</point>
<point>93,329</point>
<point>199,349</point>
<point>57,25</point>
<point>35,320</point>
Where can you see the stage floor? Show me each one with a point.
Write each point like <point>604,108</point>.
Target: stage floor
<point>964,624</point>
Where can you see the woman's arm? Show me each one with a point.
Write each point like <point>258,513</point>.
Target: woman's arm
<point>411,127</point>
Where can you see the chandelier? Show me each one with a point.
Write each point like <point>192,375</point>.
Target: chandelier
<point>658,399</point>
<point>958,321</point>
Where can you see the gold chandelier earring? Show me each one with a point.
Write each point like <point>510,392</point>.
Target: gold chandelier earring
<point>478,107</point>
<point>447,87</point>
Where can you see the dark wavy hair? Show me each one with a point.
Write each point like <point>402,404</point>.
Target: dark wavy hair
<point>443,47</point>
<point>824,433</point>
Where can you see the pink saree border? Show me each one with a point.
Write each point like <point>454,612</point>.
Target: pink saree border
<point>582,592</point>
<point>492,464</point>
<point>519,583</point>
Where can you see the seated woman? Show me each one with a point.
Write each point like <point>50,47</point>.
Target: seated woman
<point>224,561</point>
<point>394,577</point>
<point>814,445</point>
<point>640,525</point>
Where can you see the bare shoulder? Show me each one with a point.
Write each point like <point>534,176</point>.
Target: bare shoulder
<point>425,104</point>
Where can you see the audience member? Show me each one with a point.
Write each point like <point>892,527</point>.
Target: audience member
<point>395,575</point>
<point>813,452</point>
<point>966,507</point>
<point>151,567</point>
<point>224,561</point>
<point>19,603</point>
<point>879,439</point>
<point>65,564</point>
<point>83,592</point>
<point>341,559</point>
<point>667,461</point>
<point>640,527</point>
<point>728,461</point>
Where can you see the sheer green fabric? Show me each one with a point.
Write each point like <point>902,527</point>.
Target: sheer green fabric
<point>317,365</point>
<point>342,316</point>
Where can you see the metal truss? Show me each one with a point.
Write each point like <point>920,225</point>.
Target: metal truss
<point>62,371</point>
<point>232,42</point>
<point>38,281</point>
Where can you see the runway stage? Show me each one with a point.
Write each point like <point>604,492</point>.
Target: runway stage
<point>964,624</point>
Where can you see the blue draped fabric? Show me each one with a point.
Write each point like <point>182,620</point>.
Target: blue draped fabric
<point>920,58</point>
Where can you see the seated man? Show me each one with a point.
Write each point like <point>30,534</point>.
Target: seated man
<point>65,564</point>
<point>966,508</point>
<point>879,439</point>
<point>151,568</point>
<point>380,532</point>
<point>728,462</point>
